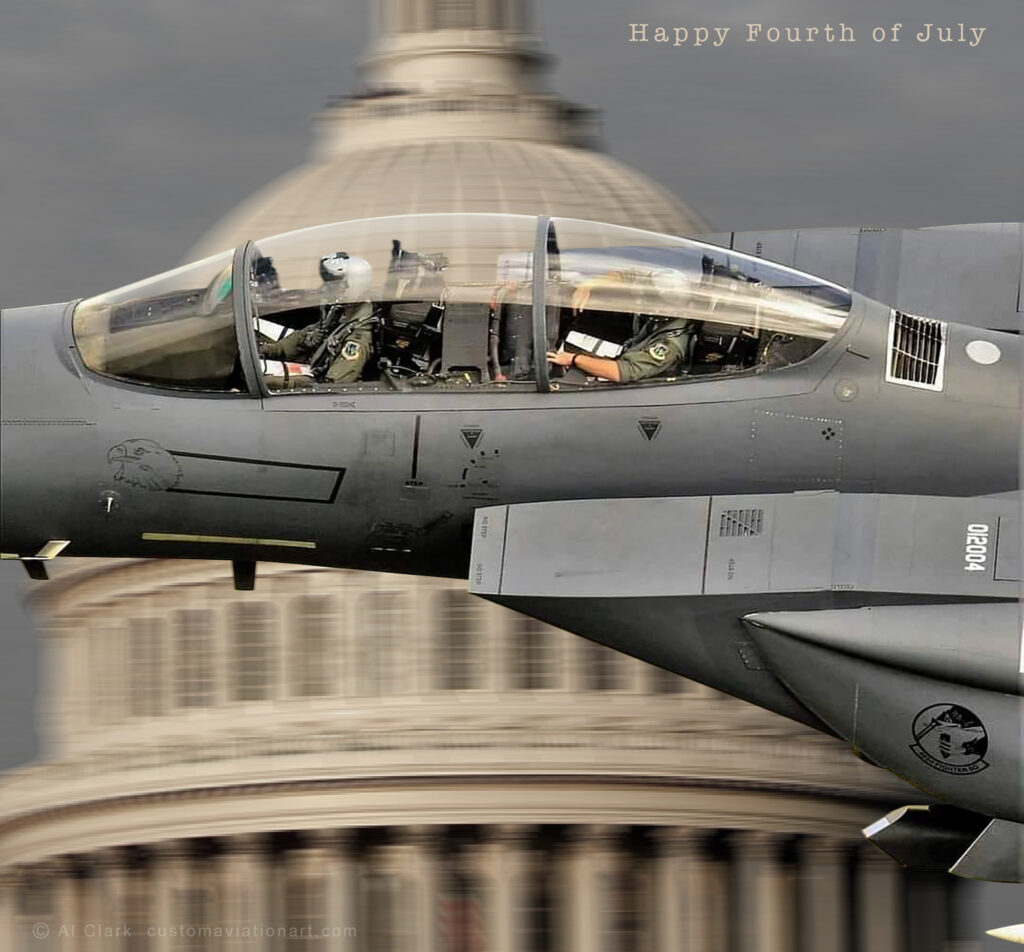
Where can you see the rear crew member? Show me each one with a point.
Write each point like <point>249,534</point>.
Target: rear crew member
<point>661,353</point>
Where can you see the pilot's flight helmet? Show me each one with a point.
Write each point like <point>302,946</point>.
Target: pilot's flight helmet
<point>353,274</point>
<point>671,282</point>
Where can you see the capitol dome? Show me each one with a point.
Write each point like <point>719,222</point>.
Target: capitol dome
<point>346,760</point>
<point>454,116</point>
<point>455,175</point>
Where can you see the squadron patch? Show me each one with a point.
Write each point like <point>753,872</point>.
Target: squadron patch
<point>950,738</point>
<point>658,351</point>
<point>352,350</point>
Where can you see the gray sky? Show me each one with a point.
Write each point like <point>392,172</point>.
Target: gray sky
<point>127,128</point>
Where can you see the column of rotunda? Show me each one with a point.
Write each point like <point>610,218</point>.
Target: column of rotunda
<point>381,889</point>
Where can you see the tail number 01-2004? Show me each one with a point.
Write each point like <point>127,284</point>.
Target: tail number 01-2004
<point>976,547</point>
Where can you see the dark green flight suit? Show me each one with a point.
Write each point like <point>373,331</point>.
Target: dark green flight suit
<point>662,353</point>
<point>348,353</point>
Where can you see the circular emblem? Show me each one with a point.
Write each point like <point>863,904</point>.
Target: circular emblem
<point>950,738</point>
<point>658,351</point>
<point>846,390</point>
<point>983,352</point>
<point>352,350</point>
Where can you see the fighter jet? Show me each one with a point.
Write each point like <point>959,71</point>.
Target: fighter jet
<point>723,465</point>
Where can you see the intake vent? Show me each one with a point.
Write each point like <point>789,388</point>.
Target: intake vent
<point>916,351</point>
<point>740,522</point>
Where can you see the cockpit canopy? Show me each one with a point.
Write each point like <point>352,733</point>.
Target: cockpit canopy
<point>456,301</point>
<point>174,330</point>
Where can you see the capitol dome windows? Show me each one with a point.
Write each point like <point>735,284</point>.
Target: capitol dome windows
<point>106,687</point>
<point>410,16</point>
<point>601,668</point>
<point>194,650</point>
<point>460,641</point>
<point>147,656</point>
<point>534,655</point>
<point>252,668</point>
<point>384,618</point>
<point>456,14</point>
<point>309,641</point>
<point>313,647</point>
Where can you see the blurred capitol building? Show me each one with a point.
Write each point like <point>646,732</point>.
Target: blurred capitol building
<point>454,116</point>
<point>348,761</point>
<point>358,761</point>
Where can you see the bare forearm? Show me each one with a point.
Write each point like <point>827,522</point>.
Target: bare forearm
<point>598,367</point>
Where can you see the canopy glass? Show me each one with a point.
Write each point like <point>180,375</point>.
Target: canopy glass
<point>448,301</point>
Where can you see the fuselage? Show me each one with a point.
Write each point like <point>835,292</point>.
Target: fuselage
<point>390,481</point>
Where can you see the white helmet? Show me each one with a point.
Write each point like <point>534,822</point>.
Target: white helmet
<point>354,275</point>
<point>671,282</point>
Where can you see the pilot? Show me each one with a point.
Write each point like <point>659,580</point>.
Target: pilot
<point>338,346</point>
<point>661,352</point>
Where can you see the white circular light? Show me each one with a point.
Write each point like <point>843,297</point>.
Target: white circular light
<point>983,352</point>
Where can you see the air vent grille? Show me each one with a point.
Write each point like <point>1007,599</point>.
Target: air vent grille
<point>916,351</point>
<point>740,522</point>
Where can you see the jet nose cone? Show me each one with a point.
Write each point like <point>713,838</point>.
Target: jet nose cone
<point>48,430</point>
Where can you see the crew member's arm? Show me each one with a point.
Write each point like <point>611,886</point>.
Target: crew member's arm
<point>655,357</point>
<point>293,347</point>
<point>601,367</point>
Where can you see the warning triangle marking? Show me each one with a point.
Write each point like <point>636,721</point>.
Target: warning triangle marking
<point>650,428</point>
<point>471,435</point>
